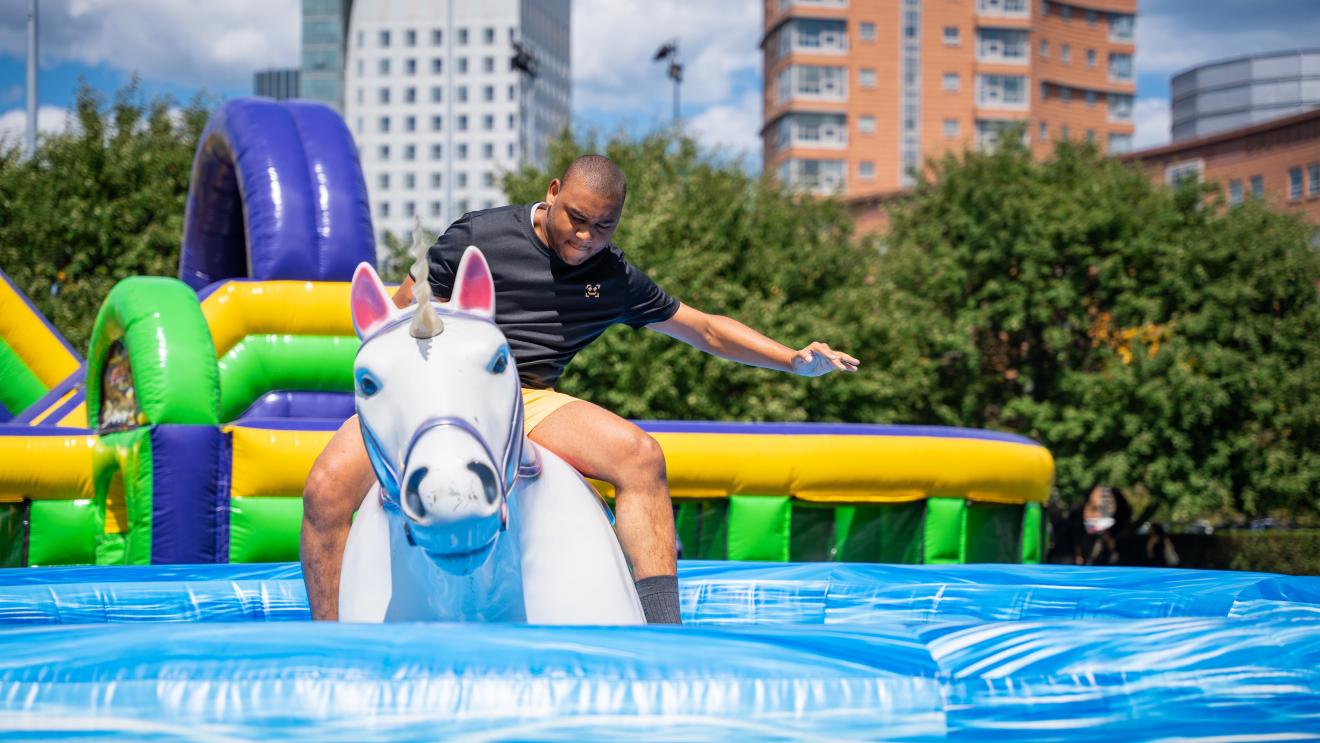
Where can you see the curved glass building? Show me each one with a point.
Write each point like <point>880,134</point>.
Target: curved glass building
<point>1238,92</point>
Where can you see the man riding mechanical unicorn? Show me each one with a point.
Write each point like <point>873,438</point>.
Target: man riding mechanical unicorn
<point>558,283</point>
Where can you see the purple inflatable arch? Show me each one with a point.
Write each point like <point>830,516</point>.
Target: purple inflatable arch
<point>276,193</point>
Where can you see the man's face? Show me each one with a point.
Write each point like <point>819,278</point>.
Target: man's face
<point>580,222</point>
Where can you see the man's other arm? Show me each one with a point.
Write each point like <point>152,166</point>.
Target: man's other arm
<point>729,339</point>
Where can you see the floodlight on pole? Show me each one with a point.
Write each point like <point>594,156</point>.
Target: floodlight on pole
<point>669,51</point>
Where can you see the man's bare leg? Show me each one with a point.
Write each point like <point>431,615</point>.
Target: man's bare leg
<point>601,445</point>
<point>334,490</point>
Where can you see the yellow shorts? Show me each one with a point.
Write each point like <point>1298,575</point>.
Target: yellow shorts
<point>539,404</point>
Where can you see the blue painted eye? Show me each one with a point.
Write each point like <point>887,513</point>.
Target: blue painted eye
<point>499,362</point>
<point>367,384</point>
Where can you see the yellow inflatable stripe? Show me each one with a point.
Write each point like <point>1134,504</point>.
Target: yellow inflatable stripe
<point>43,415</point>
<point>27,334</point>
<point>273,462</point>
<point>822,469</point>
<point>76,418</point>
<point>47,467</point>
<point>241,308</point>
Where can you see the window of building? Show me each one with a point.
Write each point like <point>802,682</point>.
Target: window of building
<point>1119,143</point>
<point>1257,186</point>
<point>409,208</point>
<point>383,95</point>
<point>866,170</point>
<point>409,181</point>
<point>383,67</point>
<point>383,181</point>
<point>462,65</point>
<point>461,153</point>
<point>988,132</point>
<point>950,128</point>
<point>1044,49</point>
<point>1234,192</point>
<point>462,94</point>
<point>437,152</point>
<point>360,97</point>
<point>437,37</point>
<point>1120,107</point>
<point>462,37</point>
<point>1090,136</point>
<point>1090,58</point>
<point>488,64</point>
<point>461,180</point>
<point>1065,12</point>
<point>435,208</point>
<point>952,36</point>
<point>383,153</point>
<point>1002,91</point>
<point>437,123</point>
<point>410,123</point>
<point>462,122</point>
<point>866,124</point>
<point>1065,94</point>
<point>510,154</point>
<point>384,39</point>
<point>437,180</point>
<point>1121,26</point>
<point>410,38</point>
<point>1092,18</point>
<point>437,94</point>
<point>488,93</point>
<point>463,203</point>
<point>813,81</point>
<point>1065,53</point>
<point>383,124</point>
<point>383,209</point>
<point>488,122</point>
<point>1001,45</point>
<point>1002,7</point>
<point>1181,172</point>
<point>1120,66</point>
<point>488,35</point>
<point>952,83</point>
<point>1313,172</point>
<point>410,152</point>
<point>437,65</point>
<point>410,95</point>
<point>1064,133</point>
<point>866,31</point>
<point>361,39</point>
<point>866,78</point>
<point>361,67</point>
<point>512,123</point>
<point>1091,98</point>
<point>1295,183</point>
<point>1044,132</point>
<point>513,93</point>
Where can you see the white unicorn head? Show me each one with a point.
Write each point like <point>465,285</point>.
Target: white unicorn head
<point>438,401</point>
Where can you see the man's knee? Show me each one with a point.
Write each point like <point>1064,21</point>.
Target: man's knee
<point>643,460</point>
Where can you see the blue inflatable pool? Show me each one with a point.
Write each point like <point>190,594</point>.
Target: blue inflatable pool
<point>806,651</point>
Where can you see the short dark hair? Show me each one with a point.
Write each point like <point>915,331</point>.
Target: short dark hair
<point>599,174</point>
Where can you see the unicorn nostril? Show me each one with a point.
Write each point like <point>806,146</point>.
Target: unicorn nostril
<point>412,499</point>
<point>487,480</point>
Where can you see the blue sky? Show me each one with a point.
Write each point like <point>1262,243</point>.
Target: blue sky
<point>178,47</point>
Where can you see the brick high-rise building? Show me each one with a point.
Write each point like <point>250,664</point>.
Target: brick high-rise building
<point>859,92</point>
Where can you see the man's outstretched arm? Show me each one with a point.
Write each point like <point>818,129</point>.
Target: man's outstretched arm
<point>729,339</point>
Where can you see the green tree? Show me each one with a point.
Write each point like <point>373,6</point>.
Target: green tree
<point>99,202</point>
<point>727,242</point>
<point>1148,337</point>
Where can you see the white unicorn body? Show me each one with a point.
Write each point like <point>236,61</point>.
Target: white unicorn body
<point>470,520</point>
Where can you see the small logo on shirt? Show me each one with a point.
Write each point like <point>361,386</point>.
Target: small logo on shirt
<point>593,290</point>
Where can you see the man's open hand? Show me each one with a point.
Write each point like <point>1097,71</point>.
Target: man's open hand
<point>818,359</point>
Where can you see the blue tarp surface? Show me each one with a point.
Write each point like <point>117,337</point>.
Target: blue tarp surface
<point>787,652</point>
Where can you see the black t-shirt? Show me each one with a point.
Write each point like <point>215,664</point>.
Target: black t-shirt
<point>547,309</point>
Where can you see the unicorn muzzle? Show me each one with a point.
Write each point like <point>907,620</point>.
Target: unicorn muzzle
<point>453,498</point>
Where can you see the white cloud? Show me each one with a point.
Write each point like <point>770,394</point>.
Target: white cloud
<point>614,41</point>
<point>201,44</point>
<point>731,128</point>
<point>1152,119</point>
<point>13,123</point>
<point>1173,37</point>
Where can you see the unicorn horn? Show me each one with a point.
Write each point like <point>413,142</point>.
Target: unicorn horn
<point>426,322</point>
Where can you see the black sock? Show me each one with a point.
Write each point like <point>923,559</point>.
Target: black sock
<point>659,595</point>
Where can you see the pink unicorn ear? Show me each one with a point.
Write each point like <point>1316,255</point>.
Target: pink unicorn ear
<point>474,289</point>
<point>369,302</point>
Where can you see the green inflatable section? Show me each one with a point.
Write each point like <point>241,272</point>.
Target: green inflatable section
<point>932,531</point>
<point>264,528</point>
<point>19,387</point>
<point>174,382</point>
<point>261,363</point>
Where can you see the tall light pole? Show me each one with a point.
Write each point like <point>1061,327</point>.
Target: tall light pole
<point>524,61</point>
<point>669,51</point>
<point>32,80</point>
